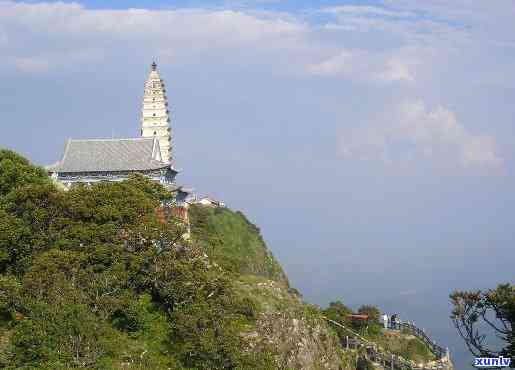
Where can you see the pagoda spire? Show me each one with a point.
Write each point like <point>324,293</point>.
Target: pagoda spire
<point>155,116</point>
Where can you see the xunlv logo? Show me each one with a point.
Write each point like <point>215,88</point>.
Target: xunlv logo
<point>492,361</point>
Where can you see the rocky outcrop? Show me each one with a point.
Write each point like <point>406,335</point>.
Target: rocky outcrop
<point>291,330</point>
<point>296,342</point>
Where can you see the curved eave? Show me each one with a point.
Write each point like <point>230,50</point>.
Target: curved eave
<point>84,170</point>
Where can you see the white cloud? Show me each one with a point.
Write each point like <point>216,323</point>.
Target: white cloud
<point>494,14</point>
<point>54,29</point>
<point>412,131</point>
<point>397,70</point>
<point>366,10</point>
<point>283,42</point>
<point>46,61</point>
<point>342,64</point>
<point>365,66</point>
<point>404,24</point>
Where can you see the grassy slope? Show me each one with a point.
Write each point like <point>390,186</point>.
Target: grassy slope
<point>405,345</point>
<point>233,242</point>
<point>293,331</point>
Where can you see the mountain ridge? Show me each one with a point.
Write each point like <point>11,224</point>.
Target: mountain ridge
<point>91,278</point>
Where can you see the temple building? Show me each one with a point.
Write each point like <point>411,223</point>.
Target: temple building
<point>94,160</point>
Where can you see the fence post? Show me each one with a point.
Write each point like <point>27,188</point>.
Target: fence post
<point>391,363</point>
<point>347,342</point>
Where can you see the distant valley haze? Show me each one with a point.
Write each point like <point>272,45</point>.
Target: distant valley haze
<point>371,141</point>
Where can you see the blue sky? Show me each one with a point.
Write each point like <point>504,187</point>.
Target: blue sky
<point>281,5</point>
<point>371,142</point>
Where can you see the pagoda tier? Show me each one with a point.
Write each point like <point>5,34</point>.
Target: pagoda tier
<point>155,116</point>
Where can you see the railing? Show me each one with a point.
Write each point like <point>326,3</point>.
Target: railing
<point>388,360</point>
<point>411,328</point>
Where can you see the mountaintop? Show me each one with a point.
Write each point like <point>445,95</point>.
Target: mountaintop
<point>91,278</point>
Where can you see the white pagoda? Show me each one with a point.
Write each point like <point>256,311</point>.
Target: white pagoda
<point>155,115</point>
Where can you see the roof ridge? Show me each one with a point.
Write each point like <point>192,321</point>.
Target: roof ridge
<point>113,139</point>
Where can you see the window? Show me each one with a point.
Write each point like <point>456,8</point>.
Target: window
<point>154,114</point>
<point>155,133</point>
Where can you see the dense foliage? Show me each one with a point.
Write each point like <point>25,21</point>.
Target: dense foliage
<point>16,171</point>
<point>91,278</point>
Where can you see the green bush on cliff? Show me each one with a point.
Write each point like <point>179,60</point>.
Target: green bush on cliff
<point>233,242</point>
<point>16,171</point>
<point>91,278</point>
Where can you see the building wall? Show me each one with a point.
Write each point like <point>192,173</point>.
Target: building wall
<point>67,179</point>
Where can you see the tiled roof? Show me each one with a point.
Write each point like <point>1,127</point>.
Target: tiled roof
<point>95,155</point>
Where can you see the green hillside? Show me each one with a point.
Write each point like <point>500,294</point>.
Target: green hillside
<point>91,278</point>
<point>233,242</point>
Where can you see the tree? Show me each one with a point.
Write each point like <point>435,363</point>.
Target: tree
<point>337,311</point>
<point>477,313</point>
<point>369,327</point>
<point>16,171</point>
<point>372,312</point>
